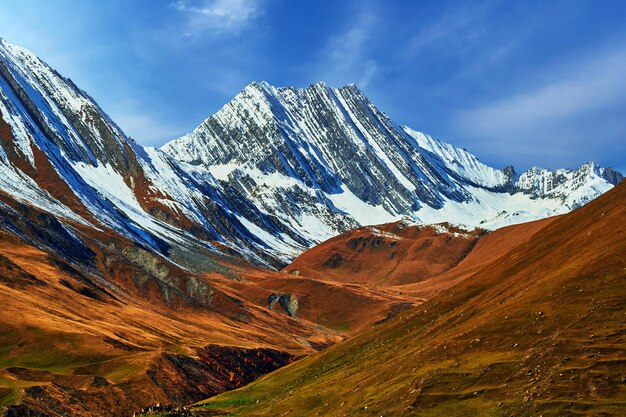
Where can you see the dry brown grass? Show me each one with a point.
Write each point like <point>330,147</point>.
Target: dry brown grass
<point>537,330</point>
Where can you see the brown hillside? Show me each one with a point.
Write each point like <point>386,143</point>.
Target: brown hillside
<point>487,250</point>
<point>106,327</point>
<point>389,254</point>
<point>540,330</point>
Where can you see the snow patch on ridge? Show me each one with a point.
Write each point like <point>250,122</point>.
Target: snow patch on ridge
<point>362,212</point>
<point>459,160</point>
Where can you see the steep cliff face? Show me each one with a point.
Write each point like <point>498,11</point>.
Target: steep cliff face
<point>322,136</point>
<point>323,160</point>
<point>62,154</point>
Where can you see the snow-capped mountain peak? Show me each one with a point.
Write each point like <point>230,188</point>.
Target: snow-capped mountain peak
<point>328,153</point>
<point>273,172</point>
<point>62,154</point>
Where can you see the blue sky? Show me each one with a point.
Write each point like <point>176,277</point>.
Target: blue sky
<point>522,83</point>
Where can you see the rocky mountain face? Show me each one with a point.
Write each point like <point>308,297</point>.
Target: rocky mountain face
<point>62,154</point>
<point>323,160</point>
<point>274,172</point>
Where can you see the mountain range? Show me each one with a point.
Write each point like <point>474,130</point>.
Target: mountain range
<point>272,173</point>
<point>132,275</point>
<point>324,160</point>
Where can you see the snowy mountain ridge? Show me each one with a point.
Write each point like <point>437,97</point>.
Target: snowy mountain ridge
<point>330,154</point>
<point>274,172</point>
<point>61,154</point>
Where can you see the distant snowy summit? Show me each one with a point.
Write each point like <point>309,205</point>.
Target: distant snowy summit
<point>272,173</point>
<point>325,159</point>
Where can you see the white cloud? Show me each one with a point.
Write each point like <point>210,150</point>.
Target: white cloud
<point>554,116</point>
<point>344,59</point>
<point>453,31</point>
<point>467,32</point>
<point>218,16</point>
<point>591,87</point>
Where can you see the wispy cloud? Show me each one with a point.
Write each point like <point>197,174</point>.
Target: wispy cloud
<point>146,129</point>
<point>218,16</point>
<point>552,117</point>
<point>345,57</point>
<point>455,30</point>
<point>473,34</point>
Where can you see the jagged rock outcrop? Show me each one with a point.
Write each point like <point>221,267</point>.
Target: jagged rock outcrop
<point>289,302</point>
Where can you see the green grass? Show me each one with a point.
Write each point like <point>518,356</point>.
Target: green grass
<point>124,371</point>
<point>32,348</point>
<point>8,397</point>
<point>63,354</point>
<point>468,408</point>
<point>16,383</point>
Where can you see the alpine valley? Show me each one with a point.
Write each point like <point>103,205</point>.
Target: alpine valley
<point>133,276</point>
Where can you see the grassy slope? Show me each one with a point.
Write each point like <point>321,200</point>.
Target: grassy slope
<point>349,308</point>
<point>539,331</point>
<point>52,335</point>
<point>488,249</point>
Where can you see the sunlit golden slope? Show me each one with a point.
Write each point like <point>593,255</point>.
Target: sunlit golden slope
<point>109,327</point>
<point>539,330</point>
